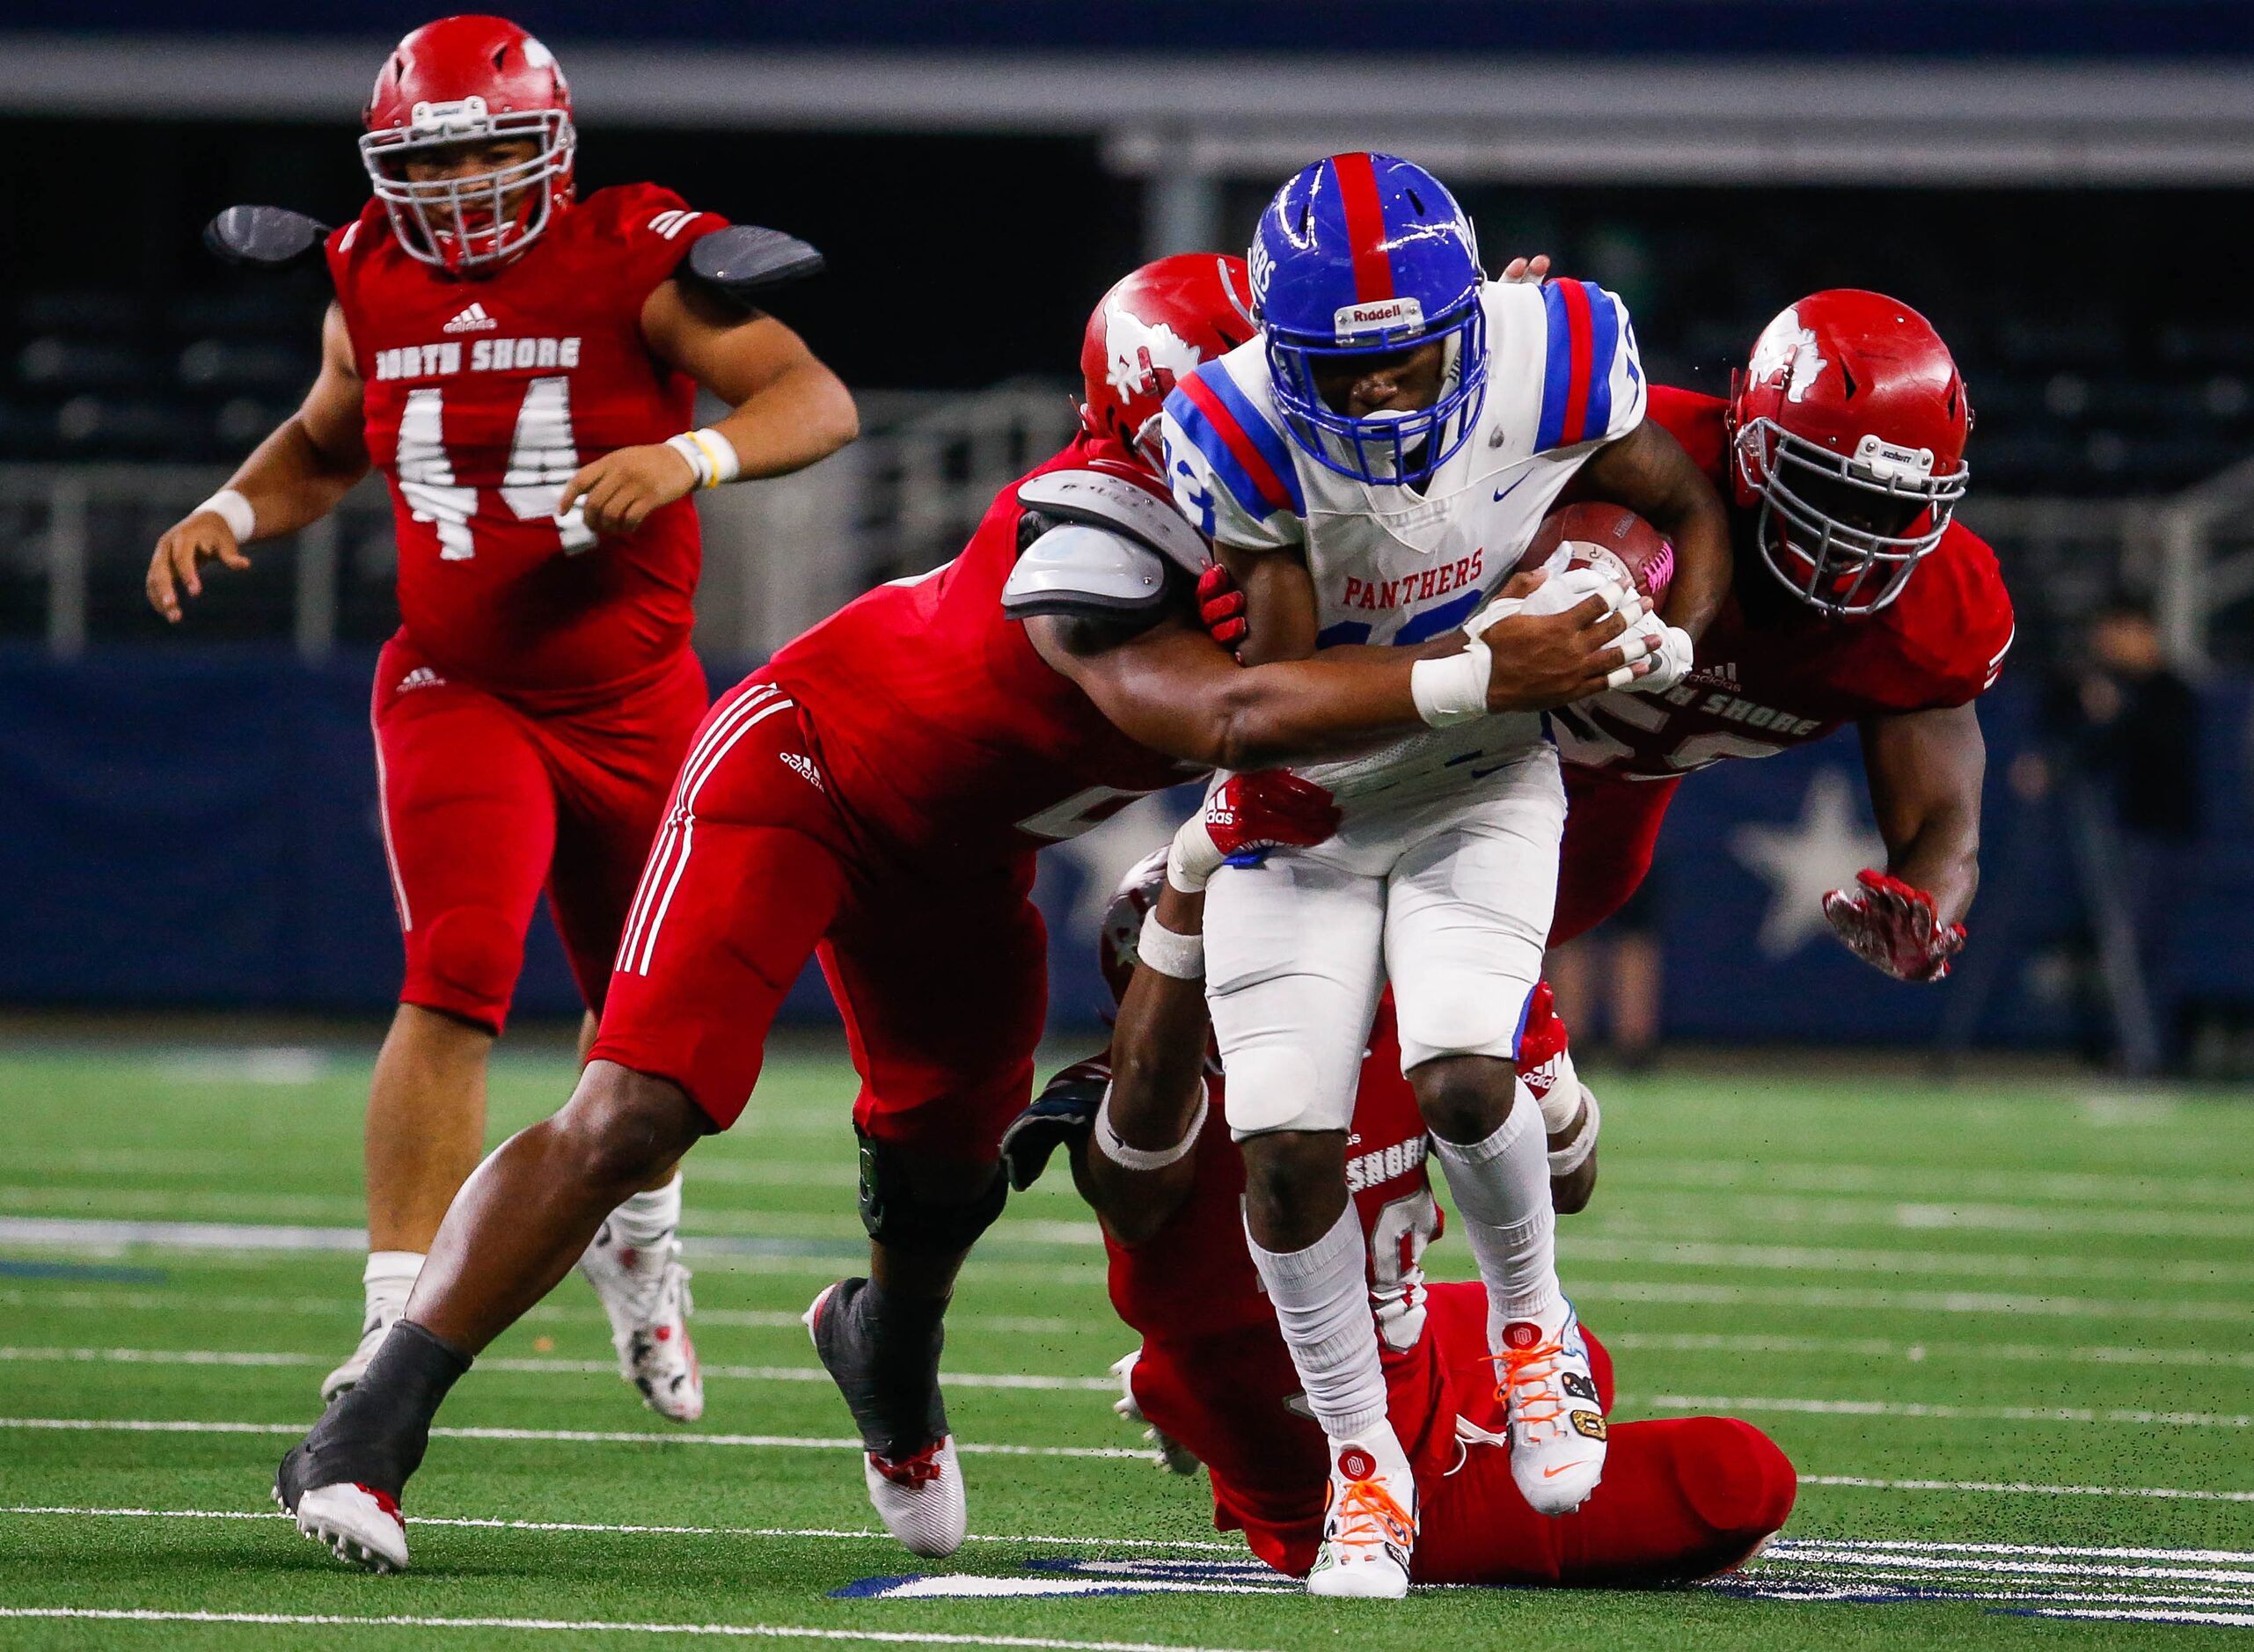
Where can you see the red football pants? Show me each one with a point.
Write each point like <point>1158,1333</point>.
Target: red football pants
<point>1611,828</point>
<point>940,971</point>
<point>484,804</point>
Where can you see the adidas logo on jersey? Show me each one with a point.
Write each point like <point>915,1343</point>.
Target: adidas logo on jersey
<point>806,767</point>
<point>473,319</point>
<point>421,677</point>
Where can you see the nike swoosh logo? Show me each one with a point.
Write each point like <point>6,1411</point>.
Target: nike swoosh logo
<point>1505,493</point>
<point>1552,1474</point>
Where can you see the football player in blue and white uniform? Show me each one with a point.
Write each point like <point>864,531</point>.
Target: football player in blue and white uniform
<point>1371,469</point>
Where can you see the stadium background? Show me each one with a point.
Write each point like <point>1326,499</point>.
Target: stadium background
<point>188,818</point>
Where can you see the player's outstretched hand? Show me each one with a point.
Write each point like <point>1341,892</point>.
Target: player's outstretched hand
<point>620,489</point>
<point>191,542</point>
<point>1892,927</point>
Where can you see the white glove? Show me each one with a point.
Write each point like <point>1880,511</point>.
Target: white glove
<point>1670,649</point>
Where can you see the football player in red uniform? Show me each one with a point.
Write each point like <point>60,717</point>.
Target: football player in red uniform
<point>522,367</point>
<point>1681,1499</point>
<point>1859,599</point>
<point>875,796</point>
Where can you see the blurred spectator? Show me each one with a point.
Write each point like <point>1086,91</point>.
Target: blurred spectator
<point>2125,730</point>
<point>1608,982</point>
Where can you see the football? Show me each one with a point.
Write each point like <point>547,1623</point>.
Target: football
<point>1611,537</point>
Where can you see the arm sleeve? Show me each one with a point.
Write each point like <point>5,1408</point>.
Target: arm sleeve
<point>1592,386</point>
<point>1232,475</point>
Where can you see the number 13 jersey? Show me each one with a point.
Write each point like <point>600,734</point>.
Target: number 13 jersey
<point>482,397</point>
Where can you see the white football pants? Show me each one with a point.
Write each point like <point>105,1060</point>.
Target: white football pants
<point>1448,897</point>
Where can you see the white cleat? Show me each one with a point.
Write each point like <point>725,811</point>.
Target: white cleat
<point>1369,1526</point>
<point>1557,1428</point>
<point>920,1499</point>
<point>646,1294</point>
<point>372,1332</point>
<point>362,1527</point>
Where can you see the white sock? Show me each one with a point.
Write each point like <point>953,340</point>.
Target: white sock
<point>1501,1188</point>
<point>1322,1297</point>
<point>647,1218</point>
<point>389,1279</point>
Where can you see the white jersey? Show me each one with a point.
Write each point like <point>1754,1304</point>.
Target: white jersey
<point>1393,565</point>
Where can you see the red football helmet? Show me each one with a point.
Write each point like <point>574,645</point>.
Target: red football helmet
<point>1123,920</point>
<point>1152,328</point>
<point>1847,428</point>
<point>461,80</point>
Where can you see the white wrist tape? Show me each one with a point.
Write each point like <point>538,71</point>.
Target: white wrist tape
<point>1142,1158</point>
<point>711,456</point>
<point>1453,689</point>
<point>1195,858</point>
<point>1170,953</point>
<point>233,509</point>
<point>1574,1154</point>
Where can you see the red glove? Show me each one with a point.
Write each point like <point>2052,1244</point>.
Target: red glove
<point>1220,606</point>
<point>1893,927</point>
<point>1249,814</point>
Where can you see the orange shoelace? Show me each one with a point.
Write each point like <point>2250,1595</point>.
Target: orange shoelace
<point>1368,1517</point>
<point>1531,1374</point>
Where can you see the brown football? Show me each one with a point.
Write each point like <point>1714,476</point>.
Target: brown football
<point>1639,547</point>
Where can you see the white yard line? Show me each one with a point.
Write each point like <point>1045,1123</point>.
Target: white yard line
<point>1206,1545</point>
<point>2027,1488</point>
<point>1731,1404</point>
<point>567,1626</point>
<point>2077,1188</point>
<point>1841,1259</point>
<point>538,1367</point>
<point>2222,1619</point>
<point>1792,1547</point>
<point>581,1436</point>
<point>1875,1301</point>
<point>1881,1348</point>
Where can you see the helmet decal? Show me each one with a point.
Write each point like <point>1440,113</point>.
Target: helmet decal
<point>1150,330</point>
<point>1786,346</point>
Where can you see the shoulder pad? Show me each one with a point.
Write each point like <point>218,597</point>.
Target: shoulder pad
<point>1118,504</point>
<point>264,237</point>
<point>1089,571</point>
<point>746,262</point>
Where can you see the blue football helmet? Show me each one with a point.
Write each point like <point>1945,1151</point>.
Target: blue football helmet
<point>1364,255</point>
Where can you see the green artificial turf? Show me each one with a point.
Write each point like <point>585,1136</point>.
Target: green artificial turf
<point>2033,1285</point>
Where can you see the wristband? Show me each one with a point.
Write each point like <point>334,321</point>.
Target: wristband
<point>1182,957</point>
<point>1195,857</point>
<point>1574,1154</point>
<point>1453,689</point>
<point>233,509</point>
<point>1142,1158</point>
<point>711,456</point>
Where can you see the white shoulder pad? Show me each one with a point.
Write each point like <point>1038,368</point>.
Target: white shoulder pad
<point>1111,502</point>
<point>1089,571</point>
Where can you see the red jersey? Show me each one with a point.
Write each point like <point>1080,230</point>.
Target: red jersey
<point>1782,676</point>
<point>939,727</point>
<point>1215,1373</point>
<point>483,396</point>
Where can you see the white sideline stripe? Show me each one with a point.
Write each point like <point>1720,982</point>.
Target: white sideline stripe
<point>1732,1403</point>
<point>1792,1547</point>
<point>1201,1545</point>
<point>579,1437</point>
<point>79,1231</point>
<point>2027,1488</point>
<point>1878,1347</point>
<point>2156,1614</point>
<point>1847,1260</point>
<point>2078,1188</point>
<point>541,1367</point>
<point>1904,1301</point>
<point>591,1625</point>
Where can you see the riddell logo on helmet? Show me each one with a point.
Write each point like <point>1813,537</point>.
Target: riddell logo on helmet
<point>1385,315</point>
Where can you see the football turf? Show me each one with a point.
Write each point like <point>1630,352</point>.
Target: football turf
<point>2006,1332</point>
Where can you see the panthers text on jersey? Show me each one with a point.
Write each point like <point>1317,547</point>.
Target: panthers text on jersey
<point>483,396</point>
<point>1772,673</point>
<point>1400,565</point>
<point>940,726</point>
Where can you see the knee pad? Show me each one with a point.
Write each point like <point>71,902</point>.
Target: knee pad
<point>474,953</point>
<point>902,1215</point>
<point>1473,1015</point>
<point>1276,1087</point>
<point>1734,1477</point>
